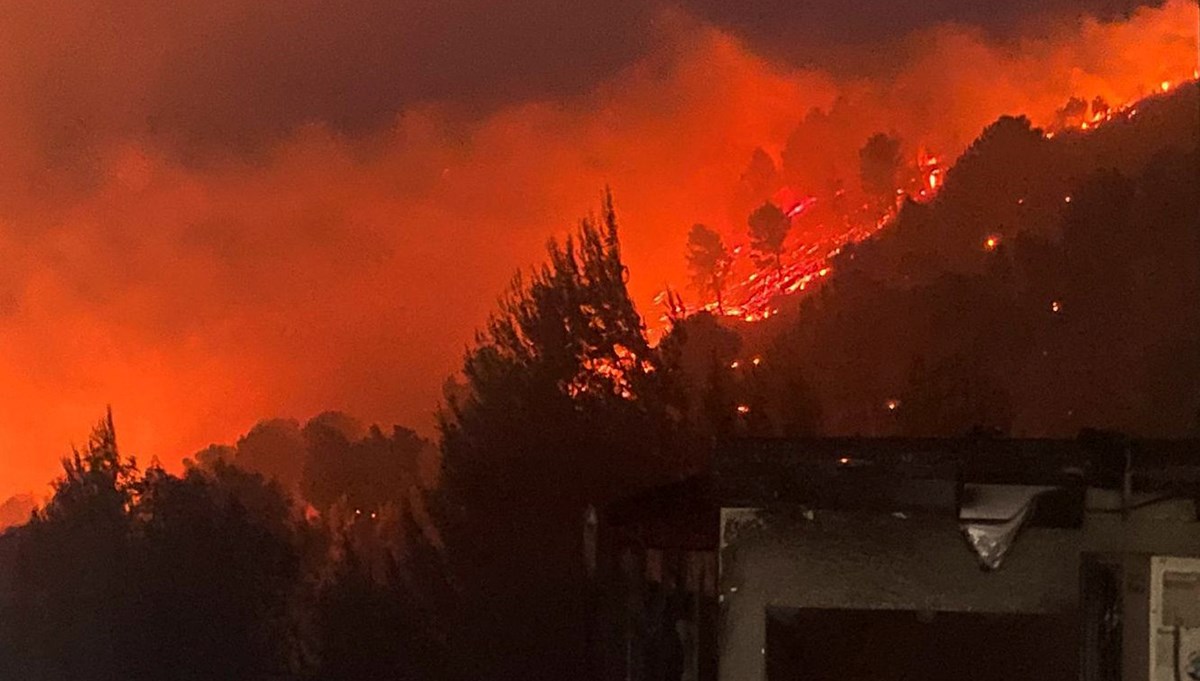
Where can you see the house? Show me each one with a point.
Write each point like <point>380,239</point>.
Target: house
<point>853,558</point>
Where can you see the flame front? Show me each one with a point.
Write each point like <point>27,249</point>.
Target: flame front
<point>757,294</point>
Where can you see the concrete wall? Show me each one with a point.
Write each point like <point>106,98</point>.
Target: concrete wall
<point>831,559</point>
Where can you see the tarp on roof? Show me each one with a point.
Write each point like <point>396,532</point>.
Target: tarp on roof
<point>991,517</point>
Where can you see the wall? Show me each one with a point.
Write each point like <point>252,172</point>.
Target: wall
<point>788,557</point>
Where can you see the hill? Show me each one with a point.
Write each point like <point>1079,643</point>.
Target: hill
<point>1053,284</point>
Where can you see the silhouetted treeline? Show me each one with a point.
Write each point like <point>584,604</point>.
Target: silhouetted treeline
<point>215,574</point>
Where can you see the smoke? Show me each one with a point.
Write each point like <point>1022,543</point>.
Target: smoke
<point>215,214</point>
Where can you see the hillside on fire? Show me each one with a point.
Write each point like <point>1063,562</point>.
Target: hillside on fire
<point>226,259</point>
<point>1049,285</point>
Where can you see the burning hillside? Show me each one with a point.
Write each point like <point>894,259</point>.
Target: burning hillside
<point>1050,285</point>
<point>753,293</point>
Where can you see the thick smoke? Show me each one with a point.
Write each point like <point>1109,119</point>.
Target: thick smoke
<point>214,214</point>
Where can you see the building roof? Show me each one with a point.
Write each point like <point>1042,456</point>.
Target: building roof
<point>897,475</point>
<point>837,471</point>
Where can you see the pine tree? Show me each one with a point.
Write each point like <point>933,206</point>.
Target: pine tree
<point>709,262</point>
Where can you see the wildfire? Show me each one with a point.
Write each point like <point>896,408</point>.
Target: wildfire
<point>801,207</point>
<point>757,292</point>
<point>608,373</point>
<point>1102,113</point>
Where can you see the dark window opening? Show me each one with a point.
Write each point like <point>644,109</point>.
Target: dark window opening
<point>904,645</point>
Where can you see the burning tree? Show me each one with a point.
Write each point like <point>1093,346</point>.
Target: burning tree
<point>768,230</point>
<point>709,262</point>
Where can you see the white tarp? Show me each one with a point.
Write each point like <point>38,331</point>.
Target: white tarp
<point>992,515</point>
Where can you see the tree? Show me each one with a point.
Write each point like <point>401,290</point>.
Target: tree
<point>221,578</point>
<point>768,230</point>
<point>214,574</point>
<point>134,575</point>
<point>367,472</point>
<point>275,448</point>
<point>567,404</point>
<point>71,592</point>
<point>709,262</point>
<point>879,165</point>
<point>1072,114</point>
<point>382,611</point>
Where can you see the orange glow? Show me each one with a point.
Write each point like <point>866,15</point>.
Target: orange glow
<point>332,271</point>
<point>992,242</point>
<point>743,409</point>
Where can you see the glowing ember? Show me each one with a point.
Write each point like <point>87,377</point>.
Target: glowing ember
<point>1055,307</point>
<point>992,242</point>
<point>892,405</point>
<point>734,364</point>
<point>1165,85</point>
<point>743,409</point>
<point>845,460</point>
<point>801,207</point>
<point>756,361</point>
<point>608,373</point>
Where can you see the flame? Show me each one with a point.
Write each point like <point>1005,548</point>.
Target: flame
<point>805,262</point>
<point>609,372</point>
<point>800,207</point>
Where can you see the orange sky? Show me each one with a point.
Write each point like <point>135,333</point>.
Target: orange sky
<point>347,271</point>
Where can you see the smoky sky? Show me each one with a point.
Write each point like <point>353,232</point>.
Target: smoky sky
<point>231,75</point>
<point>864,36</point>
<point>217,212</point>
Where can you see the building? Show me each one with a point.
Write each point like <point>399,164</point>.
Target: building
<point>855,559</point>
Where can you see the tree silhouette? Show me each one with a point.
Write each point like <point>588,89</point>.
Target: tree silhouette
<point>367,472</point>
<point>214,574</point>
<point>220,572</point>
<point>275,448</point>
<point>71,588</point>
<point>383,609</point>
<point>709,262</point>
<point>769,228</point>
<point>567,404</point>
